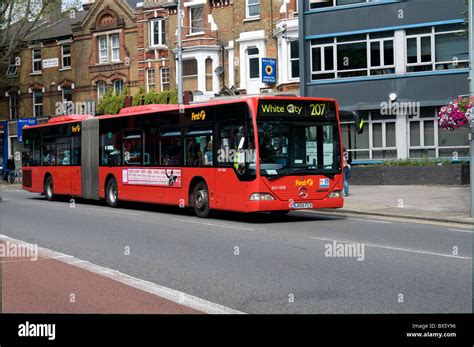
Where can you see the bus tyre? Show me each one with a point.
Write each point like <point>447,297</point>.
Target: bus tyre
<point>49,188</point>
<point>111,193</point>
<point>280,213</point>
<point>201,200</point>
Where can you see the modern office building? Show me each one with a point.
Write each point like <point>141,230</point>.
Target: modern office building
<point>395,61</point>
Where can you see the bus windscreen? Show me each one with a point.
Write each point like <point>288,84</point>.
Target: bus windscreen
<point>298,138</point>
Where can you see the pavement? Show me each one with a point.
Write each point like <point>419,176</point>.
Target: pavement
<point>431,203</point>
<point>232,263</point>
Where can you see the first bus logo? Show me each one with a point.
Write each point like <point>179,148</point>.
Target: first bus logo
<point>198,116</point>
<point>76,129</point>
<point>304,183</point>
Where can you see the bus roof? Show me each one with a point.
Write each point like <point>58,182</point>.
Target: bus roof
<point>154,108</point>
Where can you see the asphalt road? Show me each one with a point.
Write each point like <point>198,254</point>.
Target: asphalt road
<point>259,263</point>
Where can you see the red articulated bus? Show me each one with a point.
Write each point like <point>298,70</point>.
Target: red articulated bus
<point>268,154</point>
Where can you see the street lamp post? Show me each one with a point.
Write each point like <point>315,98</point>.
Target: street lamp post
<point>471,93</point>
<point>180,55</point>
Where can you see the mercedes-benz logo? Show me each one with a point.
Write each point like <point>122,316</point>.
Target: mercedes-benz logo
<point>303,193</point>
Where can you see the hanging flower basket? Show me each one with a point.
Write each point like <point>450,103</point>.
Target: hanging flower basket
<point>456,114</point>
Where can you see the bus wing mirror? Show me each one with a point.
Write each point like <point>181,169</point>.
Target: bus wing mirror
<point>353,116</point>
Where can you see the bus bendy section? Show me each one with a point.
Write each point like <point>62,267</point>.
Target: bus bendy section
<point>256,154</point>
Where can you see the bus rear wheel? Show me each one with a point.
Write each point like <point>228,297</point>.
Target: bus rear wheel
<point>201,200</point>
<point>111,193</point>
<point>49,188</point>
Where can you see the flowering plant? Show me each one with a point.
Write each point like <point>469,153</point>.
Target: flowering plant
<point>456,114</point>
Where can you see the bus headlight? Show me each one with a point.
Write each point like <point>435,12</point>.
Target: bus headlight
<point>335,194</point>
<point>261,197</point>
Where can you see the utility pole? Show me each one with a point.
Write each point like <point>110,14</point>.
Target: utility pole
<point>180,55</point>
<point>471,93</point>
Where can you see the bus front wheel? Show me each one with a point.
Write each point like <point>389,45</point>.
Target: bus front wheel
<point>49,188</point>
<point>111,193</point>
<point>201,200</point>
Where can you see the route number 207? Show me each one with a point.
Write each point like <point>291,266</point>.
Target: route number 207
<point>317,109</point>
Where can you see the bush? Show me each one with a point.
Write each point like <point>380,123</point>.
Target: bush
<point>111,104</point>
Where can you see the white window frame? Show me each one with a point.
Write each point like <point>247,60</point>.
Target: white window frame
<point>150,82</point>
<point>122,84</point>
<point>253,56</point>
<point>103,50</point>
<point>37,104</point>
<point>161,23</point>
<point>109,52</point>
<point>66,56</point>
<point>100,93</point>
<point>433,34</point>
<point>335,43</point>
<point>36,60</point>
<point>290,60</point>
<point>247,9</point>
<point>12,70</point>
<point>62,93</point>
<point>334,3</point>
<point>114,50</point>
<point>164,77</point>
<point>194,30</point>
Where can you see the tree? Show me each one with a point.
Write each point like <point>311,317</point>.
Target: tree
<point>19,18</point>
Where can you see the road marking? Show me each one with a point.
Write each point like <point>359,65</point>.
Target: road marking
<point>212,224</point>
<point>371,220</point>
<point>462,230</point>
<point>149,287</point>
<point>393,248</point>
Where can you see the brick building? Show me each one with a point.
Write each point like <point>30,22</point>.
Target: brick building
<point>76,56</point>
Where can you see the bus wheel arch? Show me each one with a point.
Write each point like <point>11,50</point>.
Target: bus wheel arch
<point>48,186</point>
<point>199,197</point>
<point>111,191</point>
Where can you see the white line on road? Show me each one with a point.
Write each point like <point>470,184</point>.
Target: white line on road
<point>393,248</point>
<point>212,224</point>
<point>462,230</point>
<point>149,287</point>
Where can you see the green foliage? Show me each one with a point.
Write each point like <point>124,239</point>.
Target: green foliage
<point>110,103</point>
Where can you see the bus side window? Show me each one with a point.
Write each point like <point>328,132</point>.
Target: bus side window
<point>110,147</point>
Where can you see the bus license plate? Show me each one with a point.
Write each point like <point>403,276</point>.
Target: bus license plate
<point>301,205</point>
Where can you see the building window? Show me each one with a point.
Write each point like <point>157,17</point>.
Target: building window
<point>165,78</point>
<point>253,58</point>
<point>13,67</point>
<point>157,32</point>
<point>196,19</point>
<point>150,80</point>
<point>37,103</point>
<point>66,56</point>
<point>67,94</point>
<point>101,89</point>
<point>315,4</point>
<point>436,48</point>
<point>209,75</point>
<point>115,47</point>
<point>294,60</point>
<point>118,87</point>
<point>252,8</point>
<point>13,105</point>
<point>353,56</point>
<point>36,55</point>
<point>190,75</point>
<point>103,50</point>
<point>105,42</point>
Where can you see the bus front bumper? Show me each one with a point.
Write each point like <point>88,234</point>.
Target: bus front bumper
<point>279,205</point>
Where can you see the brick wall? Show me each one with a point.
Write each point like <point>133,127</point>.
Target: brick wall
<point>455,174</point>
